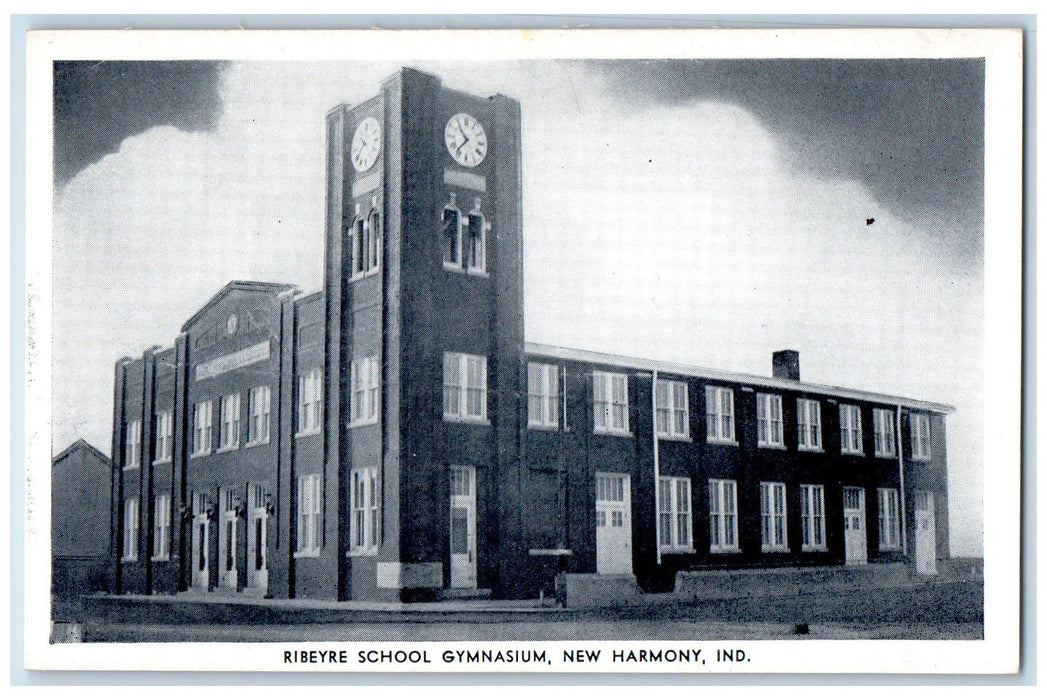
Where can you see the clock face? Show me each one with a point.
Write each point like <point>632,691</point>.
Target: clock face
<point>466,140</point>
<point>367,141</point>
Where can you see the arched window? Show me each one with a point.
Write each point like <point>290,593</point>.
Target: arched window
<point>374,240</point>
<point>477,245</point>
<point>452,235</point>
<point>360,228</point>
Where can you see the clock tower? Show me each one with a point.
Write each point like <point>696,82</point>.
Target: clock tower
<point>424,342</point>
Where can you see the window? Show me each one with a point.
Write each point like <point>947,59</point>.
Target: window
<point>674,514</point>
<point>164,436</point>
<point>161,526</point>
<point>130,552</point>
<point>465,387</point>
<point>769,420</point>
<point>309,500</point>
<point>812,516</point>
<point>202,428</point>
<point>133,448</point>
<point>310,393</point>
<point>258,408</point>
<point>670,409</point>
<point>364,523</point>
<point>889,519</point>
<point>230,437</point>
<point>883,432</point>
<point>543,395</point>
<point>920,435</point>
<point>772,517</point>
<point>366,244</point>
<point>476,260</point>
<point>452,235</point>
<point>809,424</point>
<point>364,400</point>
<point>723,515</point>
<point>719,414</point>
<point>850,429</point>
<point>610,403</point>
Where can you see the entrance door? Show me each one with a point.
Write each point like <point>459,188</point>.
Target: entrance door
<point>463,527</point>
<point>614,532</point>
<point>257,517</point>
<point>926,536</point>
<point>227,540</point>
<point>854,525</point>
<point>201,532</point>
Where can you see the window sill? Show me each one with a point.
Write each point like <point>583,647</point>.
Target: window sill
<point>770,446</point>
<point>373,551</point>
<point>885,455</point>
<point>476,273</point>
<point>130,467</point>
<point>362,423</point>
<point>227,448</point>
<point>725,550</point>
<point>163,558</point>
<point>774,550</point>
<point>612,433</point>
<point>308,554</point>
<point>463,270</point>
<point>809,449</point>
<point>308,433</point>
<point>819,548</point>
<point>463,419</point>
<point>719,441</point>
<point>678,550</point>
<point>849,453</point>
<point>674,438</point>
<point>128,560</point>
<point>257,443</point>
<point>197,455</point>
<point>543,427</point>
<point>158,462</point>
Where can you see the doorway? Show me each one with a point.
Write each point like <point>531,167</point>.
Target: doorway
<point>614,532</point>
<point>855,546</point>
<point>463,527</point>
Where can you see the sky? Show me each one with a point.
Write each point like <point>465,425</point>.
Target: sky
<point>706,212</point>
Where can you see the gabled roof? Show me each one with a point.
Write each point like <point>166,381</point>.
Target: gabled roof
<point>80,444</point>
<point>601,358</point>
<point>241,285</point>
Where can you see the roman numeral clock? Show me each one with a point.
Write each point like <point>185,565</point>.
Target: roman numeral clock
<point>466,140</point>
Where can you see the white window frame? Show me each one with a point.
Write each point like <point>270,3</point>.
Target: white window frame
<point>723,516</point>
<point>543,396</point>
<point>366,236</point>
<point>883,433</point>
<point>889,519</point>
<point>164,437</point>
<point>133,445</point>
<point>130,552</point>
<point>364,510</point>
<point>203,428</point>
<point>161,526</point>
<point>310,402</point>
<point>258,409</point>
<point>229,439</point>
<point>770,424</point>
<point>851,429</point>
<point>774,518</point>
<point>470,389</point>
<point>310,521</point>
<point>672,411</point>
<point>459,263</point>
<point>674,513</point>
<point>812,517</point>
<point>920,436</point>
<point>610,403</point>
<point>808,426</point>
<point>719,419</point>
<point>474,257</point>
<point>364,396</point>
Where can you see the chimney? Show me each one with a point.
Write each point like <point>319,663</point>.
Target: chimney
<point>785,364</point>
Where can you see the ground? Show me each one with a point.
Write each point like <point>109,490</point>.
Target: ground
<point>932,610</point>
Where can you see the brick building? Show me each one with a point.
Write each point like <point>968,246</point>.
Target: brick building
<point>394,437</point>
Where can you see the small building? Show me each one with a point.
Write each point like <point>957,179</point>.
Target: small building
<point>81,508</point>
<point>394,437</point>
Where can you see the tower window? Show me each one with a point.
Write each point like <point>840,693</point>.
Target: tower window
<point>366,244</point>
<point>477,244</point>
<point>452,235</point>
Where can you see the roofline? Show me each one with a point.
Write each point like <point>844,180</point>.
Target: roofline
<point>246,285</point>
<point>695,371</point>
<point>80,441</point>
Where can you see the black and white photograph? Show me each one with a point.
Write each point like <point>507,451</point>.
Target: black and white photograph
<point>627,351</point>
